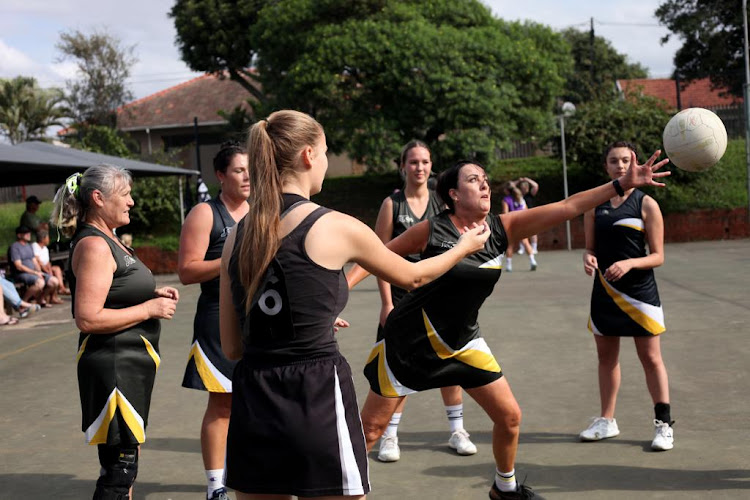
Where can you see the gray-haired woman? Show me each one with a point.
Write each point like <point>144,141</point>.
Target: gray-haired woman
<point>117,307</point>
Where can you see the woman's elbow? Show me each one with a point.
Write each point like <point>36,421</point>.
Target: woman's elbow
<point>186,277</point>
<point>86,325</point>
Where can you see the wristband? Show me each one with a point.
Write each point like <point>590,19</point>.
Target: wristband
<point>618,188</point>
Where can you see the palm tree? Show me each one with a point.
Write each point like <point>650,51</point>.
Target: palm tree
<point>26,111</point>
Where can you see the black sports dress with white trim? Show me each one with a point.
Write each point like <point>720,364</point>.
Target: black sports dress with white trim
<point>207,368</point>
<point>295,426</point>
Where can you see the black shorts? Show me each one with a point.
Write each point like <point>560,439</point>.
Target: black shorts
<point>295,430</point>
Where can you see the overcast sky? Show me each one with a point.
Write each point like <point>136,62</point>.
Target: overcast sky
<point>29,30</point>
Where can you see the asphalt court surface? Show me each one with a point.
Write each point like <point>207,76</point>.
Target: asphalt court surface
<point>535,324</point>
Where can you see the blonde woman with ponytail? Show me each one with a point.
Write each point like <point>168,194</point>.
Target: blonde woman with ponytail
<point>117,307</point>
<point>294,428</point>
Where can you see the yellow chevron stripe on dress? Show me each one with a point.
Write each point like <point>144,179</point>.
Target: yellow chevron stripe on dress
<point>82,348</point>
<point>476,353</point>
<point>97,431</point>
<point>131,417</point>
<point>390,387</point>
<point>211,377</point>
<point>648,316</point>
<point>496,263</point>
<point>152,352</point>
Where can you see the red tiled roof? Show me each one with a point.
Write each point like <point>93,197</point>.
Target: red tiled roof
<point>697,93</point>
<point>176,106</point>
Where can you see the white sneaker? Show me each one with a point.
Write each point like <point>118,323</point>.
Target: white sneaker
<point>460,442</point>
<point>389,450</point>
<point>600,428</point>
<point>520,250</point>
<point>664,438</point>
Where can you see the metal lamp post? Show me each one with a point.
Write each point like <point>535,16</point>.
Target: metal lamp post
<point>568,109</point>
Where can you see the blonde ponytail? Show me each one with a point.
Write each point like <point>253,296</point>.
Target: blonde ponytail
<point>273,149</point>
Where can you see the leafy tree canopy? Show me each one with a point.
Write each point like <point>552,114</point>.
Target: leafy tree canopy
<point>26,111</point>
<point>377,73</point>
<point>103,68</point>
<point>637,119</point>
<point>712,40</point>
<point>214,36</point>
<point>595,74</point>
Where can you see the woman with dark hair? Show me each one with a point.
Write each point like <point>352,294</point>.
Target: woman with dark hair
<point>117,307</point>
<point>295,427</point>
<point>401,210</point>
<point>625,300</point>
<point>201,242</point>
<point>511,202</point>
<point>432,339</point>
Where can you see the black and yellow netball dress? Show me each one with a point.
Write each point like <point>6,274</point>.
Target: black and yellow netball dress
<point>629,307</point>
<point>116,370</point>
<point>432,338</point>
<point>207,368</point>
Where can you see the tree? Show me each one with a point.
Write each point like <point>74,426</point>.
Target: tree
<point>215,37</point>
<point>27,111</point>
<point>635,118</point>
<point>377,73</point>
<point>104,65</point>
<point>712,38</point>
<point>592,77</point>
<point>102,139</point>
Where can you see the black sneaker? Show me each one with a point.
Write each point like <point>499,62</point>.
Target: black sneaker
<point>521,493</point>
<point>220,494</point>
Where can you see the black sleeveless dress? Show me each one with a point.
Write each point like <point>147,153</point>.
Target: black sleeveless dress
<point>207,368</point>
<point>432,339</point>
<point>629,307</point>
<point>295,426</point>
<point>116,370</point>
<point>403,219</point>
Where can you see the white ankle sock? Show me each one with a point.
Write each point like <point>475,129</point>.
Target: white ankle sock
<point>215,478</point>
<point>392,428</point>
<point>508,264</point>
<point>532,259</point>
<point>506,481</point>
<point>455,415</point>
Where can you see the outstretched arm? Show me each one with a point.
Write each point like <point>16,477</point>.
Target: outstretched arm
<point>524,223</point>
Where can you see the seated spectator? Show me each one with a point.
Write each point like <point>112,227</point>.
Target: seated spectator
<point>41,252</point>
<point>26,270</point>
<point>30,219</point>
<point>10,294</point>
<point>7,320</point>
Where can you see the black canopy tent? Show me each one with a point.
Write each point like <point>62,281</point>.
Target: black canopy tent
<point>37,162</point>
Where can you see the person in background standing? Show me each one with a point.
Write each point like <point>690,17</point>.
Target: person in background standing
<point>201,241</point>
<point>30,219</point>
<point>529,189</point>
<point>625,300</point>
<point>404,208</point>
